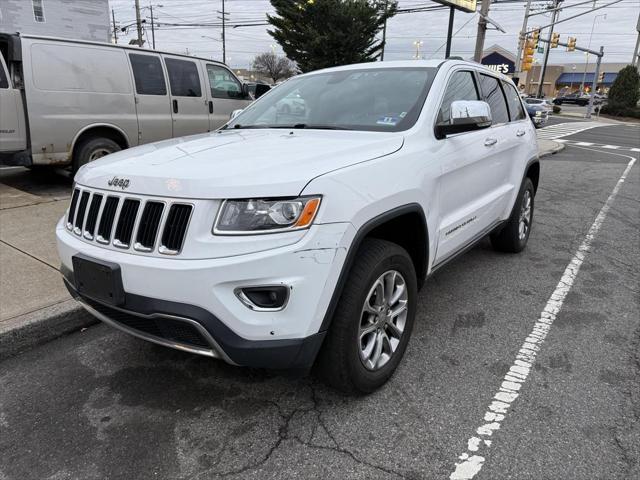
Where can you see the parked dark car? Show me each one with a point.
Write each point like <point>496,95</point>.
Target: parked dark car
<point>573,98</point>
<point>538,114</point>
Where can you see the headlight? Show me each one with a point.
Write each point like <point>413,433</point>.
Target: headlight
<point>255,215</point>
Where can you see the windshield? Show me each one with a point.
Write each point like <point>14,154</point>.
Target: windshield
<point>381,99</point>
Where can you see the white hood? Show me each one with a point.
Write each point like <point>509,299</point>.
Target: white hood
<point>237,163</point>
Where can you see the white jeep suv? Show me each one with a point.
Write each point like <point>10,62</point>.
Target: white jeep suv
<point>294,239</point>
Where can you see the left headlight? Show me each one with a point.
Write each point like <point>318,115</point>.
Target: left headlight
<point>265,215</point>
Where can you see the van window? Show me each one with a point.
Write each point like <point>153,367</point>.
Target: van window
<point>222,82</point>
<point>4,81</point>
<point>462,86</point>
<point>183,78</point>
<point>513,100</point>
<point>38,10</point>
<point>495,98</point>
<point>148,74</point>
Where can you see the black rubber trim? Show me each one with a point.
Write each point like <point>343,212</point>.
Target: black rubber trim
<point>297,354</point>
<point>355,245</point>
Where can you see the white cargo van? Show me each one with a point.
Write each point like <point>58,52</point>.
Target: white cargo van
<point>68,102</point>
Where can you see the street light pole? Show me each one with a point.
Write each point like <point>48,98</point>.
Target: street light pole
<point>586,63</point>
<point>139,24</point>
<point>543,70</point>
<point>153,31</point>
<point>521,40</point>
<point>482,30</point>
<point>595,80</point>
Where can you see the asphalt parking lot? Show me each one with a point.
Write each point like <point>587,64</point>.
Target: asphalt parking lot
<point>99,404</point>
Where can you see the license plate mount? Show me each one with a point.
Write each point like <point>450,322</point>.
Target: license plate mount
<point>98,279</point>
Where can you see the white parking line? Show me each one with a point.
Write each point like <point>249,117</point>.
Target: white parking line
<point>584,144</point>
<point>611,147</point>
<point>471,461</point>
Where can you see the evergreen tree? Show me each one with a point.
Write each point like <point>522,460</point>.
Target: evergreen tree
<point>625,91</point>
<point>325,33</point>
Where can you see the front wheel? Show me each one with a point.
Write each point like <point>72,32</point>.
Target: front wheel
<point>373,320</point>
<point>514,235</point>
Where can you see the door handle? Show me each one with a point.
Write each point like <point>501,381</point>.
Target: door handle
<point>175,106</point>
<point>490,141</point>
<point>520,133</point>
<point>210,106</point>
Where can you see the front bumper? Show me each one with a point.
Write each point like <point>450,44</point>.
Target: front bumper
<point>200,294</point>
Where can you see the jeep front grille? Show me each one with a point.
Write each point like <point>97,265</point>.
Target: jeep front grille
<point>125,222</point>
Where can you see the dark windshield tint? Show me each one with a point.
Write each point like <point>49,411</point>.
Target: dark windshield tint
<point>183,78</point>
<point>148,74</point>
<point>381,99</point>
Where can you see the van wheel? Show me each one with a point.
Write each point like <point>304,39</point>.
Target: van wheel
<point>92,149</point>
<point>514,235</point>
<point>373,320</point>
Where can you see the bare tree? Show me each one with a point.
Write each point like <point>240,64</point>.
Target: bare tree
<point>274,66</point>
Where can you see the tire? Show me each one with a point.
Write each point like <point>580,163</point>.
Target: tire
<point>91,149</point>
<point>510,238</point>
<point>340,363</point>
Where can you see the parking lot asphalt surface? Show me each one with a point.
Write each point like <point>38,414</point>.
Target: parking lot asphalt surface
<point>99,404</point>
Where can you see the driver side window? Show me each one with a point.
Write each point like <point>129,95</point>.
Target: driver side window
<point>222,83</point>
<point>461,86</point>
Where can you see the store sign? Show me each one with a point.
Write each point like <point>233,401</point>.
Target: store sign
<point>464,5</point>
<point>499,63</point>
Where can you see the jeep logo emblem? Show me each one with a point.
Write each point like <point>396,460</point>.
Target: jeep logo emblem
<point>118,182</point>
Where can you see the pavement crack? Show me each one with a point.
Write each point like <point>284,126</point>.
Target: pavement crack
<point>29,255</point>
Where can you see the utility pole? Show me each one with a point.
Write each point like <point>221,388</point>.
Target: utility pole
<point>482,30</point>
<point>153,32</point>
<point>636,58</point>
<point>543,70</point>
<point>115,29</point>
<point>447,53</point>
<point>224,43</point>
<point>384,31</point>
<point>139,24</point>
<point>595,84</point>
<point>521,41</point>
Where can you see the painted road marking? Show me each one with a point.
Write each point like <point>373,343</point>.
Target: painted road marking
<point>597,145</point>
<point>553,132</point>
<point>584,144</point>
<point>471,461</point>
<point>611,147</point>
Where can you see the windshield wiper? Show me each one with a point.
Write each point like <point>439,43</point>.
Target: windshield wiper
<point>311,126</point>
<point>237,125</point>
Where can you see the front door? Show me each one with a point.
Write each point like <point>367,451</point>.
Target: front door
<point>189,105</point>
<point>225,92</point>
<point>153,105</point>
<point>472,182</point>
<point>13,136</point>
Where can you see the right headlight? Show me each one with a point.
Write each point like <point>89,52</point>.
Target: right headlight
<point>265,215</point>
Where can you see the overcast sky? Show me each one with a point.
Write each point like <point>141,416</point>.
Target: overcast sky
<point>617,32</point>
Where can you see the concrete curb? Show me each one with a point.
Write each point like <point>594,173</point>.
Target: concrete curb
<point>41,326</point>
<point>558,147</point>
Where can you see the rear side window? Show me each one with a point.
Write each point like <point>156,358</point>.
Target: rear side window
<point>495,98</point>
<point>513,100</point>
<point>148,74</point>
<point>183,78</point>
<point>461,86</point>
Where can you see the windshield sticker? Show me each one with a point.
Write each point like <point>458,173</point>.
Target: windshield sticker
<point>390,121</point>
<point>403,114</point>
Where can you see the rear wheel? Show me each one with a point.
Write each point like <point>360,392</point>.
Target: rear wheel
<point>373,320</point>
<point>92,149</point>
<point>514,235</point>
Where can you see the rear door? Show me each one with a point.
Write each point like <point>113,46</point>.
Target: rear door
<point>189,105</point>
<point>225,94</point>
<point>153,105</point>
<point>13,136</point>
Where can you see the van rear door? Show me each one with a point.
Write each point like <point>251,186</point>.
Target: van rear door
<point>189,106</point>
<point>13,137</point>
<point>153,104</point>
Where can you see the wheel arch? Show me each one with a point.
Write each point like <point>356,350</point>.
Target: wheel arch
<point>390,225</point>
<point>104,130</point>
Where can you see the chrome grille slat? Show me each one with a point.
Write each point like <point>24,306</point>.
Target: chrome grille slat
<point>92,216</point>
<point>175,228</point>
<point>71,217</point>
<point>149,226</point>
<point>81,213</point>
<point>107,219</point>
<point>126,223</point>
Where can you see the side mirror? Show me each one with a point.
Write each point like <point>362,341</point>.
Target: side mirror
<point>235,113</point>
<point>261,89</point>
<point>465,116</point>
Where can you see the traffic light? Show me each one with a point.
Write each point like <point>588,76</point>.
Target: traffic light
<point>571,44</point>
<point>555,38</point>
<point>527,54</point>
<point>535,36</point>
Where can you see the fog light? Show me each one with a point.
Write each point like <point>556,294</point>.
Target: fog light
<point>267,298</point>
